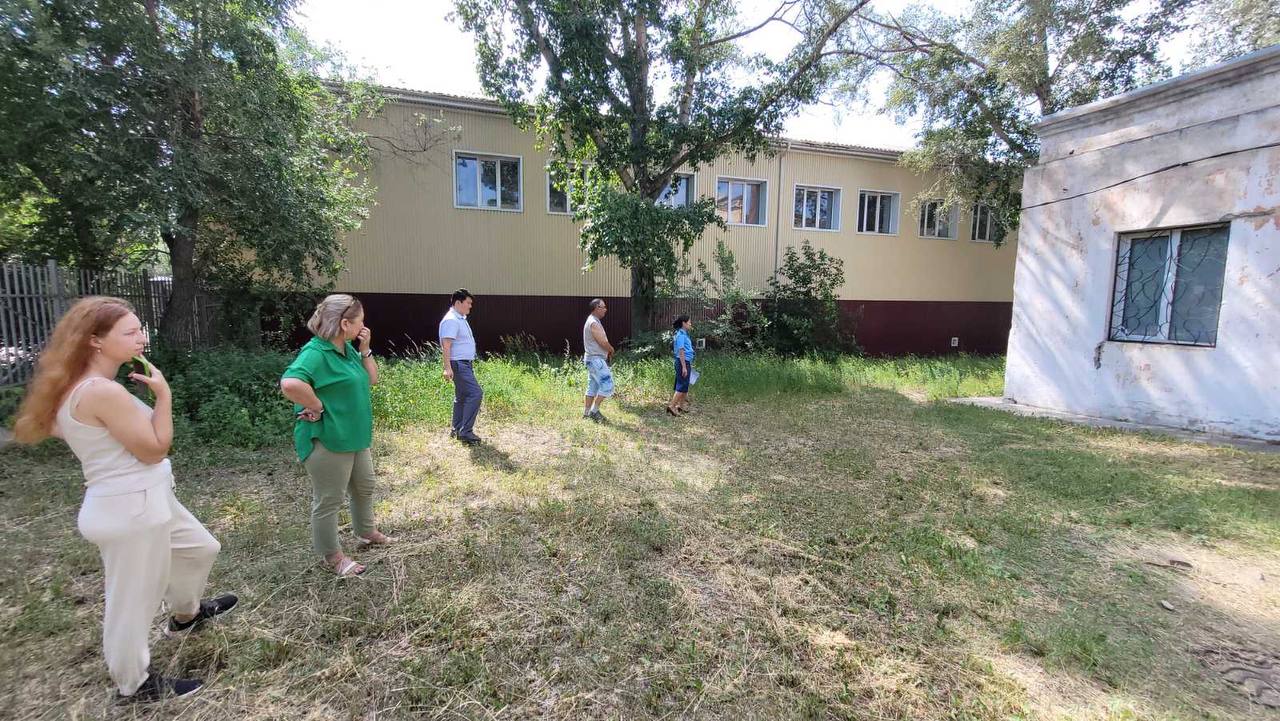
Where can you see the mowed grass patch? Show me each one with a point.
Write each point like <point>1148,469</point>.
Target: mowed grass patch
<point>816,540</point>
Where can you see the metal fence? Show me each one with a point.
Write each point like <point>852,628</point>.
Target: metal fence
<point>34,297</point>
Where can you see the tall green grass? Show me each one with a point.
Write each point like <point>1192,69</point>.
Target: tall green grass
<point>230,396</point>
<point>956,376</point>
<point>413,390</point>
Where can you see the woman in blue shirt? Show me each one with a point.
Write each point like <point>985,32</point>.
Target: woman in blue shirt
<point>682,351</point>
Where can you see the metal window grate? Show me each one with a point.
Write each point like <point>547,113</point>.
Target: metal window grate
<point>1168,286</point>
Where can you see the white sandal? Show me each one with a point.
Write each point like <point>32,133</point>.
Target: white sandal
<point>344,569</point>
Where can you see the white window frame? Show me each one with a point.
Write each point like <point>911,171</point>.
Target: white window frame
<point>973,225</point>
<point>894,220</point>
<point>669,202</point>
<point>953,220</point>
<point>568,197</point>
<point>836,202</point>
<point>481,156</point>
<point>764,199</point>
<point>1163,320</point>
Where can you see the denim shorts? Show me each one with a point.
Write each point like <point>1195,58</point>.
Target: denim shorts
<point>599,377</point>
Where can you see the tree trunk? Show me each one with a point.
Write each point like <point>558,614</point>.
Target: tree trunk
<point>642,300</point>
<point>179,326</point>
<point>88,254</point>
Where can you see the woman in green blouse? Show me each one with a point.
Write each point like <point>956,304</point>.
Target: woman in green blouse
<point>329,385</point>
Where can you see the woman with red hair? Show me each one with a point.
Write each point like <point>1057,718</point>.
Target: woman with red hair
<point>152,548</point>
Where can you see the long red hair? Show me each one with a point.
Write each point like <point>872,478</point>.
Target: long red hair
<point>63,361</point>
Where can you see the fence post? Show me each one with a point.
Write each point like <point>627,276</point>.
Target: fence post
<point>59,290</point>
<point>149,309</point>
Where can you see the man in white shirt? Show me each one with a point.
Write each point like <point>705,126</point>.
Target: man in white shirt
<point>458,353</point>
<point>596,354</point>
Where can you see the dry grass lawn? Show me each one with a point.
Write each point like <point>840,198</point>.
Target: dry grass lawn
<point>865,554</point>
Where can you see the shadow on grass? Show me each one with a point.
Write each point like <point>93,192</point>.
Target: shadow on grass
<point>490,456</point>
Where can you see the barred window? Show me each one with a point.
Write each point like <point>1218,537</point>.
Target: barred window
<point>1169,286</point>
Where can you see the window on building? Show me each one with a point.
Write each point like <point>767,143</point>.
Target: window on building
<point>985,228</point>
<point>936,222</point>
<point>482,181</point>
<point>679,192</point>
<point>1169,286</point>
<point>817,208</point>
<point>877,212</point>
<point>560,192</point>
<point>741,202</point>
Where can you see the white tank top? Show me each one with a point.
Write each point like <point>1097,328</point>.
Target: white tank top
<point>109,468</point>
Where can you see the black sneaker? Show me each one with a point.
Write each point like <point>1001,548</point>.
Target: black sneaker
<point>158,688</point>
<point>209,608</point>
<point>470,440</point>
<point>597,416</point>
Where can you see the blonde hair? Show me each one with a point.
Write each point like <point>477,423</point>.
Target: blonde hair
<point>63,361</point>
<point>326,321</point>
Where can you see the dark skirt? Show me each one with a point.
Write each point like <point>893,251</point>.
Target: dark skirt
<point>682,378</point>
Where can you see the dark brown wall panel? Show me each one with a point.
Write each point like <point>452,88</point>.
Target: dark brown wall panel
<point>402,320</point>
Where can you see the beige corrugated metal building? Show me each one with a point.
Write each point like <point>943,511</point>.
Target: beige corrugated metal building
<point>478,212</point>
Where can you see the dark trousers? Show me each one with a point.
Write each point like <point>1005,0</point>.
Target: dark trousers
<point>467,395</point>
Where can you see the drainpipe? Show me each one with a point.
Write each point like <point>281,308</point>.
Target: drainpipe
<point>777,219</point>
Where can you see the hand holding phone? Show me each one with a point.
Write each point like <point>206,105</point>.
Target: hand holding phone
<point>147,375</point>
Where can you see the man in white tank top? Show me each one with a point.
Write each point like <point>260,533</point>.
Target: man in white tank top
<point>596,354</point>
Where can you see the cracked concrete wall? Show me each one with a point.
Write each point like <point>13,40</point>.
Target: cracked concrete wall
<point>1190,151</point>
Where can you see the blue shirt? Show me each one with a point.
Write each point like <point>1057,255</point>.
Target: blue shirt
<point>455,327</point>
<point>682,341</point>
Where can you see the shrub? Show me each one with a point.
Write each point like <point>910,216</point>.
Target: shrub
<point>736,322</point>
<point>802,296</point>
<point>228,396</point>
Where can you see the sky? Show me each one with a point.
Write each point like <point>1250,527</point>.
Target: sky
<point>410,44</point>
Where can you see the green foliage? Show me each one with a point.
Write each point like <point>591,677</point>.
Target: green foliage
<point>640,233</point>
<point>200,130</point>
<point>980,81</point>
<point>802,296</point>
<point>799,316</point>
<point>735,321</point>
<point>592,80</point>
<point>228,396</point>
<point>1230,28</point>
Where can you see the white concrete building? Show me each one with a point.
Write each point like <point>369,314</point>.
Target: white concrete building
<point>1147,286</point>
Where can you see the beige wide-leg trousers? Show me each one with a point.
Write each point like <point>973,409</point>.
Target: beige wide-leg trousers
<point>152,550</point>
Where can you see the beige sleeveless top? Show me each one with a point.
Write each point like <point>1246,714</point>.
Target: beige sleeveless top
<point>109,468</point>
